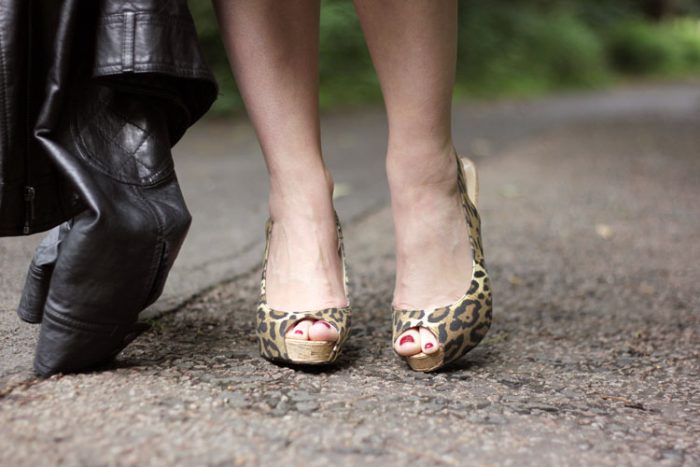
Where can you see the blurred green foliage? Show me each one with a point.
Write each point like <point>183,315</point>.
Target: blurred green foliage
<point>671,48</point>
<point>520,50</point>
<point>506,47</point>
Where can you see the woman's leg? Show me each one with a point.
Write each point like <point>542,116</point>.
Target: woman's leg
<point>413,47</point>
<point>273,51</point>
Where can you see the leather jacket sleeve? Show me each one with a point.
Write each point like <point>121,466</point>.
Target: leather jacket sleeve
<point>92,275</point>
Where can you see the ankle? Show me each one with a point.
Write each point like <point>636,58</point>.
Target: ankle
<point>422,181</point>
<point>410,168</point>
<point>304,196</point>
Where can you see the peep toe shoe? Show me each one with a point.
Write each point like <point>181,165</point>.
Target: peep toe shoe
<point>458,327</point>
<point>272,325</point>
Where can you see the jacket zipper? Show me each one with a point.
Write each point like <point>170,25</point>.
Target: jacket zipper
<point>29,190</point>
<point>29,194</point>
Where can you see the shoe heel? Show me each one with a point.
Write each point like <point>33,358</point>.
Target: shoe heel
<point>472,178</point>
<point>426,362</point>
<point>309,352</point>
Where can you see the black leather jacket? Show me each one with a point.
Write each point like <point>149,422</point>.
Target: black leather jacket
<point>93,94</point>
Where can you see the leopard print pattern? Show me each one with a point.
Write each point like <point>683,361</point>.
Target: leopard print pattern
<point>272,325</point>
<point>461,326</point>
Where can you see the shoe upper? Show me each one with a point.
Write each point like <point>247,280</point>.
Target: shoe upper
<point>458,327</point>
<point>272,325</point>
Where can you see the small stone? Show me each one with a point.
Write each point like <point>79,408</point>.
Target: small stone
<point>301,396</point>
<point>308,406</point>
<point>235,399</point>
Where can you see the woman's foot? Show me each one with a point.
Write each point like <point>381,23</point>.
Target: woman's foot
<point>433,252</point>
<point>305,271</point>
<point>313,330</point>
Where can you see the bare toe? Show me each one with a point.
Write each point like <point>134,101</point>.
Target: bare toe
<point>300,330</point>
<point>428,342</point>
<point>408,343</point>
<point>323,331</point>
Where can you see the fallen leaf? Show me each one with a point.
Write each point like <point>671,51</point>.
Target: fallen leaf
<point>646,289</point>
<point>603,231</point>
<point>515,280</point>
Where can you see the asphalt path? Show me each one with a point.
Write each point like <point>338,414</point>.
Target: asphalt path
<point>591,227</point>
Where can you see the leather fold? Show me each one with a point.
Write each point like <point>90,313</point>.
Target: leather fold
<point>155,52</point>
<point>114,259</point>
<point>36,287</point>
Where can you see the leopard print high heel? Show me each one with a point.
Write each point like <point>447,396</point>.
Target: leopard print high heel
<point>272,325</point>
<point>459,327</point>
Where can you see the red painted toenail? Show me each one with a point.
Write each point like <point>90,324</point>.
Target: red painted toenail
<point>406,340</point>
<point>325,324</point>
<point>298,331</point>
<point>429,345</point>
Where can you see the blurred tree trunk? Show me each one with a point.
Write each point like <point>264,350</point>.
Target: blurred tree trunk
<point>660,9</point>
